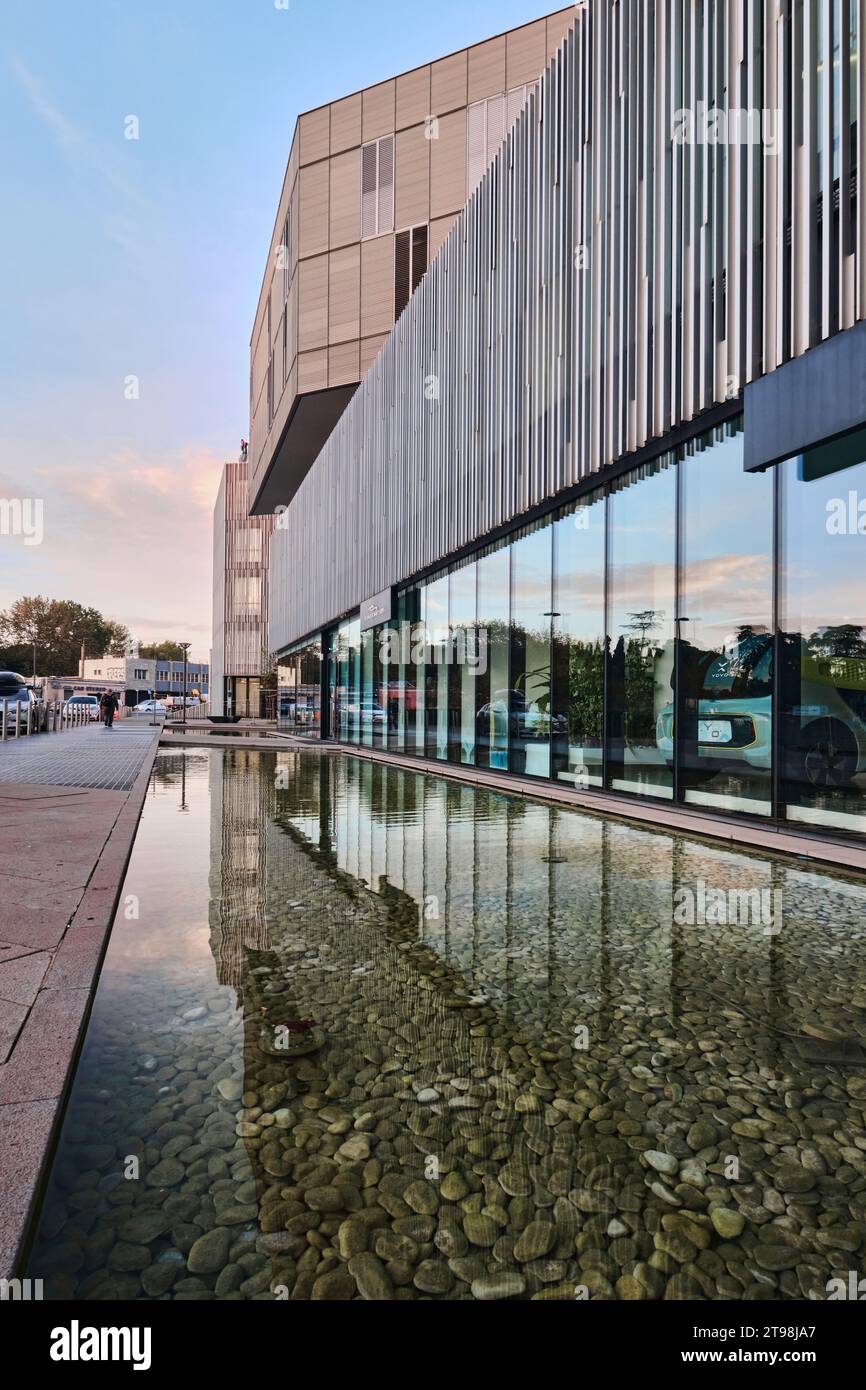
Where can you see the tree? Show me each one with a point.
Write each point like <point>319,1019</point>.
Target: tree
<point>161,651</point>
<point>59,628</point>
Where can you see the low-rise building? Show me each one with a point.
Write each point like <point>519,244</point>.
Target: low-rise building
<point>141,677</point>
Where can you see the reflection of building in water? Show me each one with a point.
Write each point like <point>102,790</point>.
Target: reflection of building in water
<point>563,920</point>
<point>241,808</point>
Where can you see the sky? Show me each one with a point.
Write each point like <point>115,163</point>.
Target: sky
<point>131,266</point>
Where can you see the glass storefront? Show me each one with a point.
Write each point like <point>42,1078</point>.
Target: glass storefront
<point>822,636</point>
<point>299,690</point>
<point>640,631</point>
<point>691,632</point>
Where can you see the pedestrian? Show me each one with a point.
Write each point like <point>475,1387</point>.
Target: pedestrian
<point>108,706</point>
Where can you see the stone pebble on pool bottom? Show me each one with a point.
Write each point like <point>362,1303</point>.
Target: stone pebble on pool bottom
<point>547,1156</point>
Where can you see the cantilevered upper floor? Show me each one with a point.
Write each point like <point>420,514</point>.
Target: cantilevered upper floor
<point>373,184</point>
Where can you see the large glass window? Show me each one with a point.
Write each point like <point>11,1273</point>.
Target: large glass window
<point>823,636</point>
<point>406,686</point>
<point>577,707</point>
<point>437,642</point>
<point>642,591</point>
<point>353,639</point>
<point>531,625</point>
<point>462,668</point>
<point>491,683</point>
<point>371,710</point>
<point>725,721</point>
<point>299,690</point>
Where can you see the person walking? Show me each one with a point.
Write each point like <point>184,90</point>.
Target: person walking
<point>108,707</point>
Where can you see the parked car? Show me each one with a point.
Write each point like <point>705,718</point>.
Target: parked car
<point>90,703</point>
<point>20,698</point>
<point>150,707</point>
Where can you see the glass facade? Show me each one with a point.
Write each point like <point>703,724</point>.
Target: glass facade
<point>299,690</point>
<point>690,632</point>
<point>822,636</point>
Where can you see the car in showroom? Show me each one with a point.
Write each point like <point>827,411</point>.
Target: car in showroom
<point>824,736</point>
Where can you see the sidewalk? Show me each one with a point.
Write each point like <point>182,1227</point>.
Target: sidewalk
<point>69,808</point>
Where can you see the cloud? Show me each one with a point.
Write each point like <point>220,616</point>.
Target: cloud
<point>131,535</point>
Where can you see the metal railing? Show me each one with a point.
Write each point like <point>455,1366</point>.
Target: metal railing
<point>175,713</point>
<point>52,717</point>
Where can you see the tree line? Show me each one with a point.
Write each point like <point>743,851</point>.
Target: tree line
<point>58,629</point>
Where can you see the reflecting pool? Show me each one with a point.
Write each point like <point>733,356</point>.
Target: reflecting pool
<point>362,1032</point>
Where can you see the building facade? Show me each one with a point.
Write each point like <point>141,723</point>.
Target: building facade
<point>143,677</point>
<point>373,185</point>
<point>597,512</point>
<point>240,650</point>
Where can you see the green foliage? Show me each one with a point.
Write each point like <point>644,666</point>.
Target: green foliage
<point>59,627</point>
<point>161,651</point>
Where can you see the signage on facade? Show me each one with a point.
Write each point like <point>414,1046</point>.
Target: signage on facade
<point>376,610</point>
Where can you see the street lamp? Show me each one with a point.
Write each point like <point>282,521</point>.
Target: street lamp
<point>185,646</point>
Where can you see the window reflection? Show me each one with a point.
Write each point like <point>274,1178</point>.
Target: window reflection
<point>725,720</point>
<point>642,516</point>
<point>528,656</point>
<point>299,690</point>
<point>494,570</point>
<point>823,636</point>
<point>577,720</point>
<point>529,697</point>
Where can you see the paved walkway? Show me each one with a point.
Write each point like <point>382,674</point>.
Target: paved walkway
<point>69,808</point>
<point>91,756</point>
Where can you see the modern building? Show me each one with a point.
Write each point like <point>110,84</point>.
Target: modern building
<point>143,677</point>
<point>373,185</point>
<point>240,656</point>
<point>596,514</point>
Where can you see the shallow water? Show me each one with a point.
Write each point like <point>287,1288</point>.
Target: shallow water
<point>365,1032</point>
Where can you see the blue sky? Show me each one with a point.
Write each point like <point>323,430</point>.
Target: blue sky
<point>143,258</point>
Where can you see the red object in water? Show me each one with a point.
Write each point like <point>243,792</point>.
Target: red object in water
<point>300,1025</point>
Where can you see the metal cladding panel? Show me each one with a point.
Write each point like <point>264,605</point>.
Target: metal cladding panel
<point>608,281</point>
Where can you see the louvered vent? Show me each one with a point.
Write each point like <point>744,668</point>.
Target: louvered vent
<point>402,271</point>
<point>368,190</point>
<point>419,254</point>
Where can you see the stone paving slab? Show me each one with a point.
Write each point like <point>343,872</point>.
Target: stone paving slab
<point>69,808</point>
<point>20,979</point>
<point>26,1136</point>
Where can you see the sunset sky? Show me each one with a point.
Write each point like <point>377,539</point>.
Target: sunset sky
<point>143,258</point>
